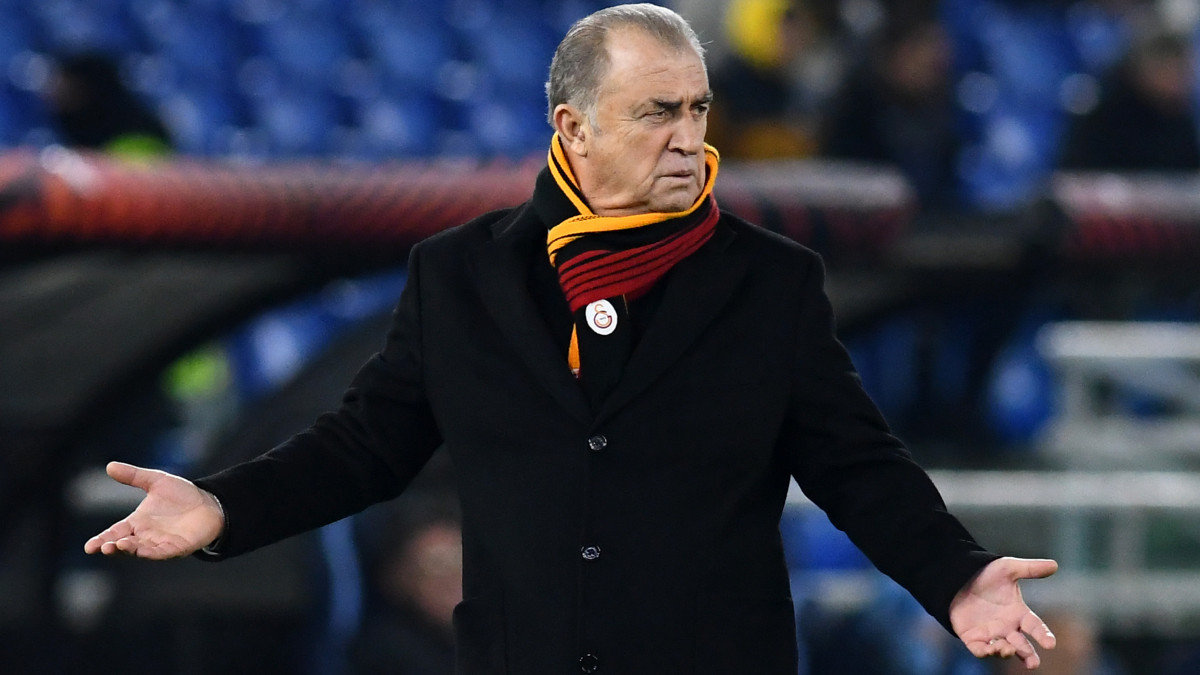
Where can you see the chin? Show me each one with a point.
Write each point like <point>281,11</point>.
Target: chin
<point>678,199</point>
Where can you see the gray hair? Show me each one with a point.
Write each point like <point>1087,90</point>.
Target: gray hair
<point>581,59</point>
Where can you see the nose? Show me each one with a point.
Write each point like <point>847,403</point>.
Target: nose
<point>687,135</point>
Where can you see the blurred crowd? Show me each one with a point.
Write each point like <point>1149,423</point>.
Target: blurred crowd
<point>974,101</point>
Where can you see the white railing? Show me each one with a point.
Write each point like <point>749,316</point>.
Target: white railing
<point>1158,360</point>
<point>1098,526</point>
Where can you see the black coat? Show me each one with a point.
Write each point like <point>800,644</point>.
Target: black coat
<point>640,537</point>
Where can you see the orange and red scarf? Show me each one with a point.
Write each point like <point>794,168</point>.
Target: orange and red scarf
<point>614,259</point>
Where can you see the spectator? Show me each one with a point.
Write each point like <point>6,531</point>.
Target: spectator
<point>417,581</point>
<point>93,109</point>
<point>783,62</point>
<point>1145,119</point>
<point>896,109</point>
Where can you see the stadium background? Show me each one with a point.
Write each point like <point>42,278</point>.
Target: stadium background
<point>189,311</point>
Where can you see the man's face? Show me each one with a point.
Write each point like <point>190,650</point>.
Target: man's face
<point>645,152</point>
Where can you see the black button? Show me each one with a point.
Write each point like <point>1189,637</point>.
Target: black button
<point>597,443</point>
<point>589,663</point>
<point>590,552</point>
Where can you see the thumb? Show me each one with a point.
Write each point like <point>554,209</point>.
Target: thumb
<point>1026,568</point>
<point>130,475</point>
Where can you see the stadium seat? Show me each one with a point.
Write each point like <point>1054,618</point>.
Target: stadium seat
<point>203,45</point>
<point>201,119</point>
<point>1025,51</point>
<point>308,50</point>
<point>17,34</point>
<point>410,50</point>
<point>69,26</point>
<point>514,53</point>
<point>510,129</point>
<point>390,128</point>
<point>296,122</point>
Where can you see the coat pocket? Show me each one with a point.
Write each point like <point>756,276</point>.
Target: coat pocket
<point>739,634</point>
<point>479,637</point>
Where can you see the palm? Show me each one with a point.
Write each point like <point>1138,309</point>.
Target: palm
<point>991,617</point>
<point>174,519</point>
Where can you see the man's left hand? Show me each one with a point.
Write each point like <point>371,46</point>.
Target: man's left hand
<point>992,619</point>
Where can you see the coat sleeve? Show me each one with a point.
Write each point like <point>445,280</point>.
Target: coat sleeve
<point>847,461</point>
<point>366,451</point>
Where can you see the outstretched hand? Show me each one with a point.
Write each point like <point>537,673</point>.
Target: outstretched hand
<point>991,618</point>
<point>174,519</point>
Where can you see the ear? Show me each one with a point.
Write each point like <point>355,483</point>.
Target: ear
<point>573,128</point>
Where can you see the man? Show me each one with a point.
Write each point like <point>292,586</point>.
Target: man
<point>624,423</point>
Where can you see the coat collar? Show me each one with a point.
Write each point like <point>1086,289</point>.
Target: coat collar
<point>697,289</point>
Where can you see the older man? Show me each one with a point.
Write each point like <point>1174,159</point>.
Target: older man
<point>626,379</point>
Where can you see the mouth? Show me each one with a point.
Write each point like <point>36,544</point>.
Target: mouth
<point>686,175</point>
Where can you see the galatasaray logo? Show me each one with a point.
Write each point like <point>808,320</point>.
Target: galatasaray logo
<point>601,317</point>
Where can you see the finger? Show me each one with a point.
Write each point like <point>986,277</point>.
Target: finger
<point>117,531</point>
<point>1033,626</point>
<point>126,545</point>
<point>1023,649</point>
<point>1032,568</point>
<point>979,648</point>
<point>1004,649</point>
<point>113,547</point>
<point>131,475</point>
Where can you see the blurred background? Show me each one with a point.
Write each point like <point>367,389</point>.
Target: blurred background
<point>206,206</point>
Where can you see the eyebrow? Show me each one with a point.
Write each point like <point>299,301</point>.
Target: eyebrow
<point>676,104</point>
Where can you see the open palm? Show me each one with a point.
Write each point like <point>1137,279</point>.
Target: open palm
<point>991,618</point>
<point>174,519</point>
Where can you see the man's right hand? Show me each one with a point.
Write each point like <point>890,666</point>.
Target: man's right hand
<point>175,518</point>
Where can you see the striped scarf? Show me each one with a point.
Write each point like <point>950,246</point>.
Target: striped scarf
<point>603,262</point>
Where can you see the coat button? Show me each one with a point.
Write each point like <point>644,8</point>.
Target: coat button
<point>589,663</point>
<point>597,443</point>
<point>590,552</point>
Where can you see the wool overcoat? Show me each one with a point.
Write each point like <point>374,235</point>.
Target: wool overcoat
<point>640,535</point>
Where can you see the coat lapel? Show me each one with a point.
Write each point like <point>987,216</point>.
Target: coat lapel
<point>503,278</point>
<point>698,288</point>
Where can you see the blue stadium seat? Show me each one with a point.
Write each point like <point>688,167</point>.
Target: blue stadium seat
<point>13,121</point>
<point>309,50</point>
<point>202,44</point>
<point>405,126</point>
<point>514,52</point>
<point>514,129</point>
<point>17,34</point>
<point>201,119</point>
<point>1025,51</point>
<point>71,26</point>
<point>410,50</point>
<point>297,122</point>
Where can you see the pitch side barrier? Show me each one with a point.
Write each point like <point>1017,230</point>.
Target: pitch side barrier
<point>60,196</point>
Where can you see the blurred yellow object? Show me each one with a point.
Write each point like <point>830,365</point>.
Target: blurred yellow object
<point>753,30</point>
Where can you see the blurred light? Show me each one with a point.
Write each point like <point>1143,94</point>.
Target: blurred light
<point>1010,141</point>
<point>1182,14</point>
<point>456,80</point>
<point>83,595</point>
<point>862,16</point>
<point>1079,93</point>
<point>977,92</point>
<point>151,74</point>
<point>29,71</point>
